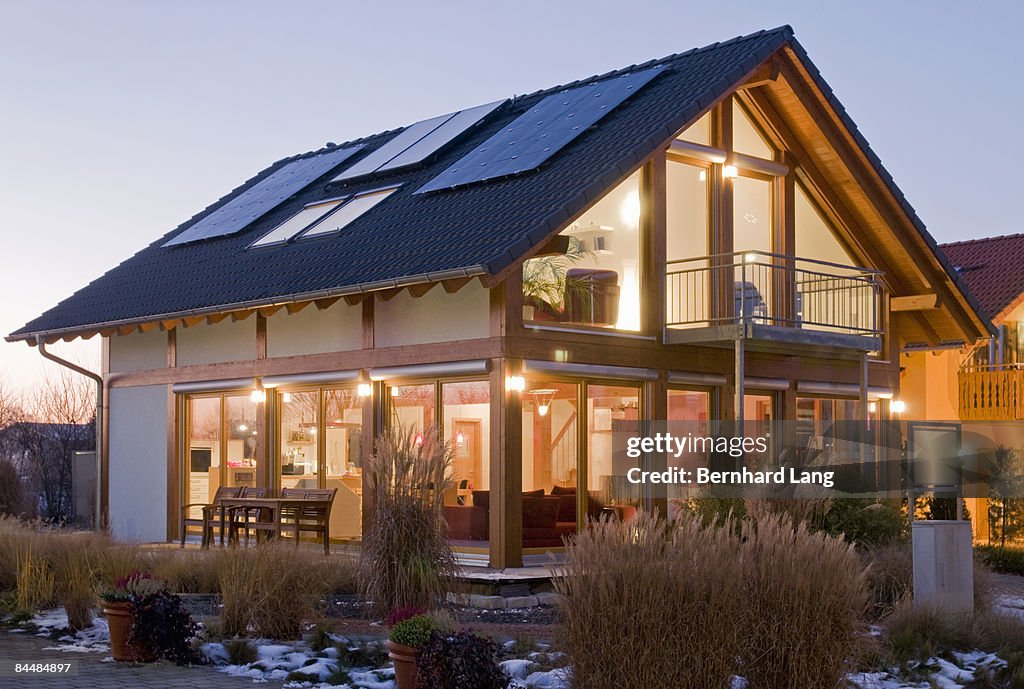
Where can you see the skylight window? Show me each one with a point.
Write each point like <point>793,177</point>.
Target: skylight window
<point>298,222</point>
<point>355,207</point>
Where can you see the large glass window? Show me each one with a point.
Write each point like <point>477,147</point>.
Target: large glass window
<point>591,273</point>
<point>691,409</point>
<point>243,465</point>
<point>202,459</point>
<point>815,238</point>
<point>466,412</point>
<point>465,423</point>
<point>609,408</point>
<point>745,136</point>
<point>320,446</point>
<point>300,436</point>
<point>699,132</point>
<point>412,406</point>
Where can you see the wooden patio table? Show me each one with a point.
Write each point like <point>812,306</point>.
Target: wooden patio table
<point>279,509</point>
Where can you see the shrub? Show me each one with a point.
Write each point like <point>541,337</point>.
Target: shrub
<point>805,597</point>
<point>652,603</point>
<point>240,652</point>
<point>1006,559</point>
<point>12,494</point>
<point>414,631</point>
<point>890,577</point>
<point>269,590</point>
<point>159,622</point>
<point>406,558</point>
<point>460,661</point>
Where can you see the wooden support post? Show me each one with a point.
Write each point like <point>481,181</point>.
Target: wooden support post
<point>657,405</point>
<point>652,232</point>
<point>506,473</point>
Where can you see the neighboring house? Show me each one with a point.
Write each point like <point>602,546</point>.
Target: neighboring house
<point>980,384</point>
<point>702,236</point>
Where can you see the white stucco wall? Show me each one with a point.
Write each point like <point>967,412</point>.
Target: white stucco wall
<point>312,331</point>
<point>210,344</point>
<point>138,463</point>
<point>435,317</point>
<point>138,351</point>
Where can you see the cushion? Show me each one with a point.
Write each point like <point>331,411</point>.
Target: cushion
<point>563,490</point>
<point>540,513</point>
<point>533,493</point>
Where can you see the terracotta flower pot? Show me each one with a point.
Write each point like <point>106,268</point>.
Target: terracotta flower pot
<point>122,648</point>
<point>407,675</point>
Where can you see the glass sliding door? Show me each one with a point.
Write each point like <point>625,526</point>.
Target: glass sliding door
<point>412,406</point>
<point>203,452</point>
<point>610,409</point>
<point>242,427</point>
<point>466,410</point>
<point>299,438</point>
<point>551,461</point>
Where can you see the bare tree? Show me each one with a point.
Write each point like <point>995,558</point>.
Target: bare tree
<point>12,488</point>
<point>62,412</point>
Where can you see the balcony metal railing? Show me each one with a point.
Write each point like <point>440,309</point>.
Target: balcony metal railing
<point>773,289</point>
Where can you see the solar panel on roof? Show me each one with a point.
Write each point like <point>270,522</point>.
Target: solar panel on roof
<point>263,196</point>
<point>417,141</point>
<point>541,132</point>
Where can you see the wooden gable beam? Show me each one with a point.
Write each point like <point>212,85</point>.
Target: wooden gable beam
<point>215,318</point>
<point>237,316</point>
<point>353,299</point>
<point>148,327</point>
<point>766,73</point>
<point>296,306</point>
<point>915,302</point>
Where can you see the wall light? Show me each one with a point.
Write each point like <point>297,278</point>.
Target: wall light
<point>730,172</point>
<point>259,395</point>
<point>872,407</point>
<point>364,389</point>
<point>515,383</point>
<point>543,399</point>
<point>897,406</point>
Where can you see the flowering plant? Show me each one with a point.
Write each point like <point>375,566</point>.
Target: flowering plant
<point>399,614</point>
<point>132,586</point>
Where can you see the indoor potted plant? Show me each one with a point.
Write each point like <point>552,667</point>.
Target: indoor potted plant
<point>408,635</point>
<point>117,608</point>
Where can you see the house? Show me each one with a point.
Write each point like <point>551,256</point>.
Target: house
<point>702,236</point>
<point>978,384</point>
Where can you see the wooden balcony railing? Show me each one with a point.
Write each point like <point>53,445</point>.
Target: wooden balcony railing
<point>992,393</point>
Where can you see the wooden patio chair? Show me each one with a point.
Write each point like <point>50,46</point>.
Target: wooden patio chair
<point>241,517</point>
<point>315,519</point>
<point>211,515</point>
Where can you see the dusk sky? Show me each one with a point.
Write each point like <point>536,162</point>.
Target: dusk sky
<point>120,120</point>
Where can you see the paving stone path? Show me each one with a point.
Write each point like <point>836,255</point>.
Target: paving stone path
<point>93,673</point>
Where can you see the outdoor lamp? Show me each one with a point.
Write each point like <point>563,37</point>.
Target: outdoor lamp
<point>543,398</point>
<point>897,406</point>
<point>515,383</point>
<point>730,172</point>
<point>364,390</point>
<point>258,395</point>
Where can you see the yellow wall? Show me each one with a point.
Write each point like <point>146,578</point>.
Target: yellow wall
<point>928,384</point>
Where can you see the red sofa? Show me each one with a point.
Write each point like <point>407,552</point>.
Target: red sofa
<point>546,518</point>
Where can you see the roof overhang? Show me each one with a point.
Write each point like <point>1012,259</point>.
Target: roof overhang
<point>453,280</point>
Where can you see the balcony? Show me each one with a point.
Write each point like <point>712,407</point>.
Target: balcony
<point>991,392</point>
<point>759,296</point>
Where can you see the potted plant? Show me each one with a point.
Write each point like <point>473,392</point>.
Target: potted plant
<point>147,621</point>
<point>404,642</point>
<point>117,608</point>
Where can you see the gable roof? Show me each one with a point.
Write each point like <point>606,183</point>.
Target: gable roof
<point>480,229</point>
<point>993,270</point>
